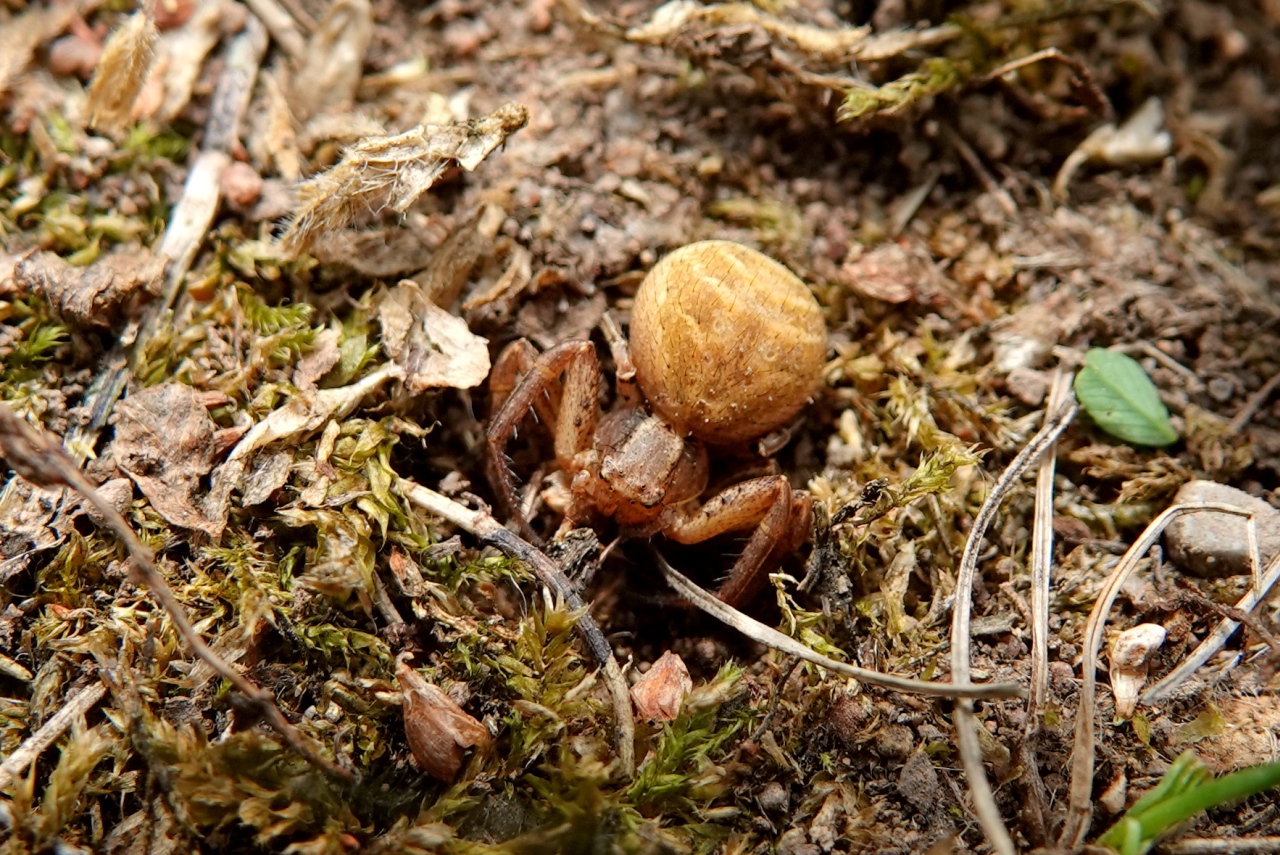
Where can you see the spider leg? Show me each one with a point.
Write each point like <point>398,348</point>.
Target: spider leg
<point>575,412</point>
<point>512,364</point>
<point>780,517</point>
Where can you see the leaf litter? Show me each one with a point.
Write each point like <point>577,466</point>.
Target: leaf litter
<point>274,413</point>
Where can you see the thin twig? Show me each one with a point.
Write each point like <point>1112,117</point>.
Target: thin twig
<point>186,231</point>
<point>1037,795</point>
<point>793,662</point>
<point>281,24</point>
<point>1223,846</point>
<point>1251,406</point>
<point>1080,800</point>
<point>488,530</point>
<point>1214,641</point>
<point>44,462</point>
<point>966,721</point>
<point>35,744</point>
<point>770,637</point>
<point>1042,559</point>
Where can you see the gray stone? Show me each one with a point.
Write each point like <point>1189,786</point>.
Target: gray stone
<point>1212,544</point>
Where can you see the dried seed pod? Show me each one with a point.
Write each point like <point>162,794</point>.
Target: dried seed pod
<point>728,344</point>
<point>1130,652</point>
<point>439,731</point>
<point>660,693</point>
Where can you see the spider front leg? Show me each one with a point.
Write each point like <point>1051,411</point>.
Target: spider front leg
<point>575,413</point>
<point>781,519</point>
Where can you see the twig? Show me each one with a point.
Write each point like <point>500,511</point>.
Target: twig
<point>793,662</point>
<point>44,462</point>
<point>1042,559</point>
<point>1214,641</point>
<point>1038,619</point>
<point>283,28</point>
<point>1193,596</point>
<point>1251,406</point>
<point>1080,800</point>
<point>483,526</point>
<point>965,720</point>
<point>35,744</point>
<point>187,229</point>
<point>1223,846</point>
<point>770,637</point>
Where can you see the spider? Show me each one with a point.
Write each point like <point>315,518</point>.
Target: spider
<point>728,346</point>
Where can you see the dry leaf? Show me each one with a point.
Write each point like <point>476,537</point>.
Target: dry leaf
<point>451,264</point>
<point>21,35</point>
<point>688,18</point>
<point>660,693</point>
<point>97,295</point>
<point>334,60</point>
<point>165,442</point>
<point>885,273</point>
<point>691,23</point>
<point>439,731</point>
<point>122,71</point>
<point>433,347</point>
<point>390,173</point>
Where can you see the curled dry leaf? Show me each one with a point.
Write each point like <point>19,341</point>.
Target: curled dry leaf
<point>165,442</point>
<point>334,60</point>
<point>122,71</point>
<point>433,347</point>
<point>1139,140</point>
<point>660,693</point>
<point>93,296</point>
<point>439,731</point>
<point>390,173</point>
<point>1130,652</point>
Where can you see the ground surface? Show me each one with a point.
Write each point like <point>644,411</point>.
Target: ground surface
<point>954,277</point>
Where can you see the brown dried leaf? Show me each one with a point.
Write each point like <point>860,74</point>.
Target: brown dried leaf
<point>884,273</point>
<point>691,23</point>
<point>165,442</point>
<point>388,252</point>
<point>694,20</point>
<point>20,36</point>
<point>660,693</point>
<point>384,173</point>
<point>334,61</point>
<point>439,731</point>
<point>433,347</point>
<point>93,296</point>
<point>452,263</point>
<point>122,71</point>
<point>324,354</point>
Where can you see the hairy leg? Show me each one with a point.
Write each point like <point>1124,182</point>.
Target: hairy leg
<point>780,517</point>
<point>575,412</point>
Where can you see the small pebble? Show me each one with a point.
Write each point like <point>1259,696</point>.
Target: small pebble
<point>74,56</point>
<point>241,184</point>
<point>1213,545</point>
<point>171,14</point>
<point>1222,389</point>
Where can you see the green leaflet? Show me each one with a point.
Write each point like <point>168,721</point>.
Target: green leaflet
<point>1186,789</point>
<point>1120,397</point>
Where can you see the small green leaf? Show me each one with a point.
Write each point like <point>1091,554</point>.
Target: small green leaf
<point>1120,397</point>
